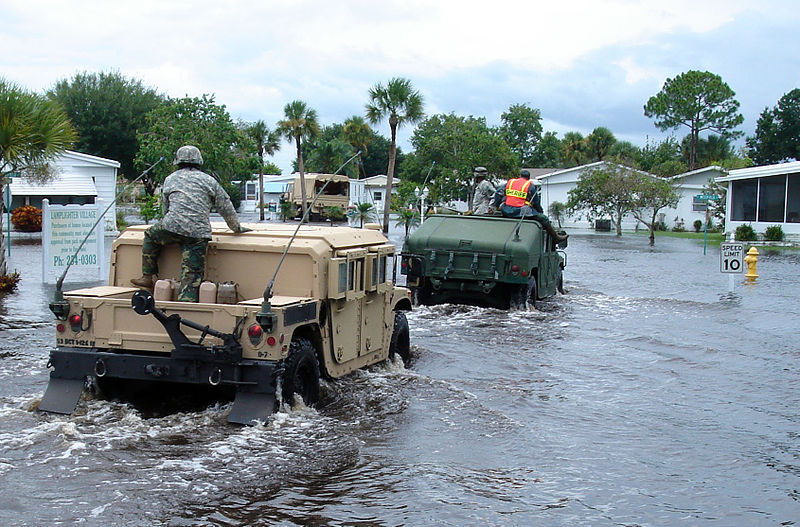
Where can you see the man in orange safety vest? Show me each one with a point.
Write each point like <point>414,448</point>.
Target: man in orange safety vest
<point>519,198</point>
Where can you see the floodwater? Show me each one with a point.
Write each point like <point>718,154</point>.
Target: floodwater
<point>648,395</point>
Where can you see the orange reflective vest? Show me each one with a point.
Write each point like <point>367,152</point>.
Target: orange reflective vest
<point>517,192</point>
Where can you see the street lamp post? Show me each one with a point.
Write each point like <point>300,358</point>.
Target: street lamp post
<point>421,195</point>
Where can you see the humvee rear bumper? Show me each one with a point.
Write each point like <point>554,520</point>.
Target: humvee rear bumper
<point>254,381</point>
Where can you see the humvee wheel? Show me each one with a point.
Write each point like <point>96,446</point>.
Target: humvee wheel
<point>401,342</point>
<point>525,295</point>
<point>560,284</point>
<point>301,373</point>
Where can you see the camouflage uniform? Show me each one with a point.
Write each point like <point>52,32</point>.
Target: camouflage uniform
<point>484,196</point>
<point>187,197</point>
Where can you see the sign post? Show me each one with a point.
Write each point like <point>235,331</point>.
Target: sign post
<point>706,197</point>
<point>731,260</point>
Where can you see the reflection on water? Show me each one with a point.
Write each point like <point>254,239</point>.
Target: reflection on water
<point>648,395</point>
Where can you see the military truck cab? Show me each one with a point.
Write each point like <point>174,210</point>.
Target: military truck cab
<point>482,260</point>
<point>334,310</point>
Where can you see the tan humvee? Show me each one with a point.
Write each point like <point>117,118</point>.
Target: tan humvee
<point>334,309</point>
<point>336,194</point>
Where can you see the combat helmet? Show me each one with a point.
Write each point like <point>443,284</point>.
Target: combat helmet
<point>188,154</point>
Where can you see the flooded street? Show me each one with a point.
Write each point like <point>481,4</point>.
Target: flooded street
<point>647,395</point>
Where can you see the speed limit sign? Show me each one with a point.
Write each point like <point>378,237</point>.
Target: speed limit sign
<point>731,255</point>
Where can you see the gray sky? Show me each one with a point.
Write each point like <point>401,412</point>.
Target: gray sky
<point>583,63</point>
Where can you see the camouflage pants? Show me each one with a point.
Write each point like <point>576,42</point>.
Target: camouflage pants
<point>193,258</point>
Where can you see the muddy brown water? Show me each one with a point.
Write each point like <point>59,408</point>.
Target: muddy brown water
<point>647,395</point>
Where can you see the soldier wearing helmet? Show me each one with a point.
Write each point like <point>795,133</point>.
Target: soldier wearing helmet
<point>187,197</point>
<point>484,192</point>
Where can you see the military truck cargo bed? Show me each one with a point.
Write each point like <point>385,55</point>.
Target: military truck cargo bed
<point>334,309</point>
<point>482,260</point>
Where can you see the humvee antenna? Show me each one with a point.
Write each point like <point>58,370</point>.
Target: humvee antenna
<point>58,305</point>
<point>265,317</point>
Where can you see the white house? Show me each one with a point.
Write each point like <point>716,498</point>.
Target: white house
<point>80,178</point>
<point>555,186</point>
<point>375,189</point>
<point>764,196</point>
<point>690,185</point>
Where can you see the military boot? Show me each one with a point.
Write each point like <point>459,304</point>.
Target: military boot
<point>559,237</point>
<point>145,281</point>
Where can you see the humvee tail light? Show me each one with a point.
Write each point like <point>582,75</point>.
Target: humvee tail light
<point>75,322</point>
<point>60,328</point>
<point>515,270</point>
<point>271,340</point>
<point>255,331</point>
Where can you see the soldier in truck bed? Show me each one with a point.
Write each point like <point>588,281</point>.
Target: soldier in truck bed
<point>520,197</point>
<point>187,197</point>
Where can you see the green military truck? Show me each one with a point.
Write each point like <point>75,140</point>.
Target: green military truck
<point>334,309</point>
<point>482,260</point>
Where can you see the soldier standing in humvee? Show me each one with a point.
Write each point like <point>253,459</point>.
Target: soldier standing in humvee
<point>520,197</point>
<point>187,197</point>
<point>484,193</point>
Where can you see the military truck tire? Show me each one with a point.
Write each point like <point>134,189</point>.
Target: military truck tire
<point>560,283</point>
<point>525,295</point>
<point>301,373</point>
<point>401,342</point>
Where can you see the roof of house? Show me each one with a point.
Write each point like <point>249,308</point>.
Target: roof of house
<point>712,168</point>
<point>65,184</point>
<point>762,171</point>
<point>89,159</point>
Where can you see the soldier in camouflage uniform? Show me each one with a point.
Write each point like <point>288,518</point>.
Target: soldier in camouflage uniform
<point>484,193</point>
<point>187,197</point>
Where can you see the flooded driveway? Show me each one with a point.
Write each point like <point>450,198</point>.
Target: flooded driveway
<point>647,395</point>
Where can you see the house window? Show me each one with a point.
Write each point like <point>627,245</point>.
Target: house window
<point>743,199</point>
<point>772,198</point>
<point>250,191</point>
<point>378,196</point>
<point>793,199</point>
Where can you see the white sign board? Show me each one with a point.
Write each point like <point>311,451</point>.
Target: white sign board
<point>64,227</point>
<point>731,257</point>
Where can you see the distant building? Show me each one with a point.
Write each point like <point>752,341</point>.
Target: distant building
<point>80,179</point>
<point>764,196</point>
<point>690,207</point>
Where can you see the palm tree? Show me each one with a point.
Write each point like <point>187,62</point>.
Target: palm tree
<point>267,142</point>
<point>330,155</point>
<point>33,130</point>
<point>401,104</point>
<point>407,218</point>
<point>300,124</point>
<point>359,135</point>
<point>363,212</point>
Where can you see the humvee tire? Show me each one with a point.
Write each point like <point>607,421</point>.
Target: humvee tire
<point>301,373</point>
<point>401,342</point>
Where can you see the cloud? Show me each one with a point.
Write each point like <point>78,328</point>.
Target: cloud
<point>584,63</point>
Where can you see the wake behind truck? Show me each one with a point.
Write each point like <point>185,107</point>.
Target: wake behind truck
<point>334,308</point>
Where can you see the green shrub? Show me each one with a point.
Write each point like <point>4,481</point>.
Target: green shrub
<point>121,223</point>
<point>150,208</point>
<point>774,233</point>
<point>334,214</point>
<point>288,210</point>
<point>679,226</point>
<point>697,225</point>
<point>745,233</point>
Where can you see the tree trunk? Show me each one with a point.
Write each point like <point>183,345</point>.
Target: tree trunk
<point>653,228</point>
<point>302,176</point>
<point>618,222</point>
<point>389,175</point>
